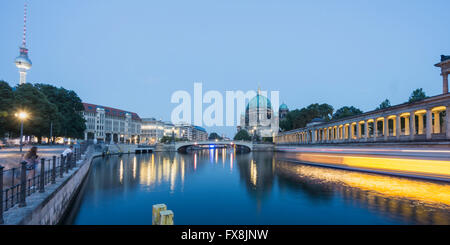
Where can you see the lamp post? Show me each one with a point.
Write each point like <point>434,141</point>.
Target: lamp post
<point>22,116</point>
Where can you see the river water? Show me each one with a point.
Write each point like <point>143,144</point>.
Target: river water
<point>217,186</point>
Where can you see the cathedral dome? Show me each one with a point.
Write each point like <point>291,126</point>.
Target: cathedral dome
<point>259,101</point>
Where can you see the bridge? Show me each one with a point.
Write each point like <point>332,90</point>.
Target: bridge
<point>242,145</point>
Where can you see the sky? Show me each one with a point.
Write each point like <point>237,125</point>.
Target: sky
<point>134,54</point>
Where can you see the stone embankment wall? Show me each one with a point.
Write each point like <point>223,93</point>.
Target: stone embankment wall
<point>263,147</point>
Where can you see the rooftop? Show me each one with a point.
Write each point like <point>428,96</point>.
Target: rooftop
<point>110,111</point>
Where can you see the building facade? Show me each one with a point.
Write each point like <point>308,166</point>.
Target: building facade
<point>192,133</point>
<point>259,119</point>
<point>153,130</point>
<point>110,125</point>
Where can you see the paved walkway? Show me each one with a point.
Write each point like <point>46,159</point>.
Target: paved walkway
<point>10,157</point>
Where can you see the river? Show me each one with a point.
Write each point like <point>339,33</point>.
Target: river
<point>217,186</point>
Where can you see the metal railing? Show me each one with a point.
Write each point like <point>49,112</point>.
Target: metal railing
<point>16,184</point>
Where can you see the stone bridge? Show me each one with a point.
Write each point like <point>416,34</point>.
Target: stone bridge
<point>245,145</point>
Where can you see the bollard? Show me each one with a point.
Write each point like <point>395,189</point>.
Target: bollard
<point>75,158</point>
<point>61,166</point>
<point>1,194</point>
<point>67,163</point>
<point>13,176</point>
<point>54,170</point>
<point>166,217</point>
<point>157,208</point>
<point>42,176</point>
<point>75,154</point>
<point>23,184</point>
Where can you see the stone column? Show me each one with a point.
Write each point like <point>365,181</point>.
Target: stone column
<point>429,127</point>
<point>437,123</point>
<point>314,135</point>
<point>420,129</point>
<point>375,129</point>
<point>445,83</point>
<point>350,130</point>
<point>85,135</point>
<point>412,125</point>
<point>386,128</point>
<point>358,131</point>
<point>406,125</point>
<point>447,121</point>
<point>366,129</point>
<point>398,126</point>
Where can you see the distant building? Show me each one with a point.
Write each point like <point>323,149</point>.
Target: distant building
<point>192,133</point>
<point>110,125</point>
<point>259,119</point>
<point>283,111</point>
<point>152,130</point>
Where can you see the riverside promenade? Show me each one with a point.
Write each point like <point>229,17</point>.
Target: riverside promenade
<point>41,196</point>
<point>10,157</point>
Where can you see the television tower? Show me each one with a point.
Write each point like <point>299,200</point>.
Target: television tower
<point>22,62</point>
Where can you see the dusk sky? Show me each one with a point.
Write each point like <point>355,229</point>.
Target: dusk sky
<point>133,55</point>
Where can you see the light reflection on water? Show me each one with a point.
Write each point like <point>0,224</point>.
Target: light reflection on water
<point>220,187</point>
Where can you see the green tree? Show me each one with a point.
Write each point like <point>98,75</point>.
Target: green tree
<point>346,111</point>
<point>168,139</point>
<point>385,104</point>
<point>299,118</point>
<point>213,136</point>
<point>267,139</point>
<point>6,108</point>
<point>41,112</point>
<point>242,135</point>
<point>69,120</point>
<point>417,95</point>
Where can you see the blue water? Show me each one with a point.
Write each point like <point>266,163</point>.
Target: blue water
<point>220,187</point>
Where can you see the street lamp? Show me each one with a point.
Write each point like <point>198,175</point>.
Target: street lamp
<point>22,116</point>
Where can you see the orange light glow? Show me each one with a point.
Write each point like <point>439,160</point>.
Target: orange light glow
<point>424,167</point>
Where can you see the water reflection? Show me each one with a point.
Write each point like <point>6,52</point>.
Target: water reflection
<point>254,188</point>
<point>414,201</point>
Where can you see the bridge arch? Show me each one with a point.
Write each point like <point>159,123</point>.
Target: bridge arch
<point>242,145</point>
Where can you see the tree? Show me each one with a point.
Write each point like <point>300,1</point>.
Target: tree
<point>299,118</point>
<point>28,98</point>
<point>6,110</point>
<point>69,121</point>
<point>168,139</point>
<point>346,111</point>
<point>417,95</point>
<point>213,136</point>
<point>385,104</point>
<point>242,135</point>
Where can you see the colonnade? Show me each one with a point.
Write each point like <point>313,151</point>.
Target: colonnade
<point>401,123</point>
